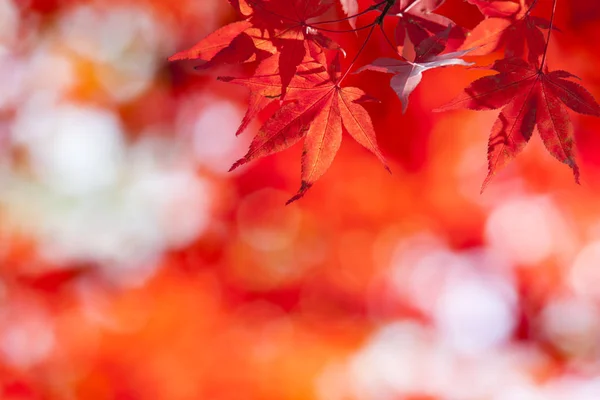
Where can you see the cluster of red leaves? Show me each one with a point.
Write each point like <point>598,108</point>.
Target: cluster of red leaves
<point>296,64</point>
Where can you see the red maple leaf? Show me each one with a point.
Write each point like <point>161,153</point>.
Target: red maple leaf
<point>317,109</point>
<point>509,24</point>
<point>408,74</point>
<point>266,83</point>
<point>238,42</point>
<point>272,26</point>
<point>417,20</point>
<point>529,97</point>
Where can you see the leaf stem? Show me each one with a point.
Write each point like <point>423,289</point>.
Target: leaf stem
<point>360,28</point>
<point>358,53</point>
<point>549,35</point>
<point>378,21</point>
<point>530,8</point>
<point>384,12</point>
<point>388,41</point>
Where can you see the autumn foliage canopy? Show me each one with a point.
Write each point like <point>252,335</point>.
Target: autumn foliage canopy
<point>295,73</point>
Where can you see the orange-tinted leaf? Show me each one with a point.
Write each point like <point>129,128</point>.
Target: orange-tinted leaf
<point>487,36</point>
<point>214,43</point>
<point>286,127</point>
<point>272,27</point>
<point>267,80</point>
<point>511,25</point>
<point>242,6</point>
<point>315,108</point>
<point>256,104</point>
<point>321,144</point>
<point>357,121</point>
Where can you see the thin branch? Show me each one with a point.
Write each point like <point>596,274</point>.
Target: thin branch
<point>373,7</point>
<point>360,28</point>
<point>530,8</point>
<point>388,41</point>
<point>357,54</point>
<point>378,21</point>
<point>549,35</point>
<point>384,12</point>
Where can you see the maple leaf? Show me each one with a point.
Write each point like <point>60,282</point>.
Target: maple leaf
<point>509,24</point>
<point>237,42</point>
<point>287,22</point>
<point>528,97</point>
<point>417,20</point>
<point>270,27</point>
<point>408,74</point>
<point>316,109</point>
<point>266,84</point>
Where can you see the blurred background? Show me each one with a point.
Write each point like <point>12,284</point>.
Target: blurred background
<point>133,266</point>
